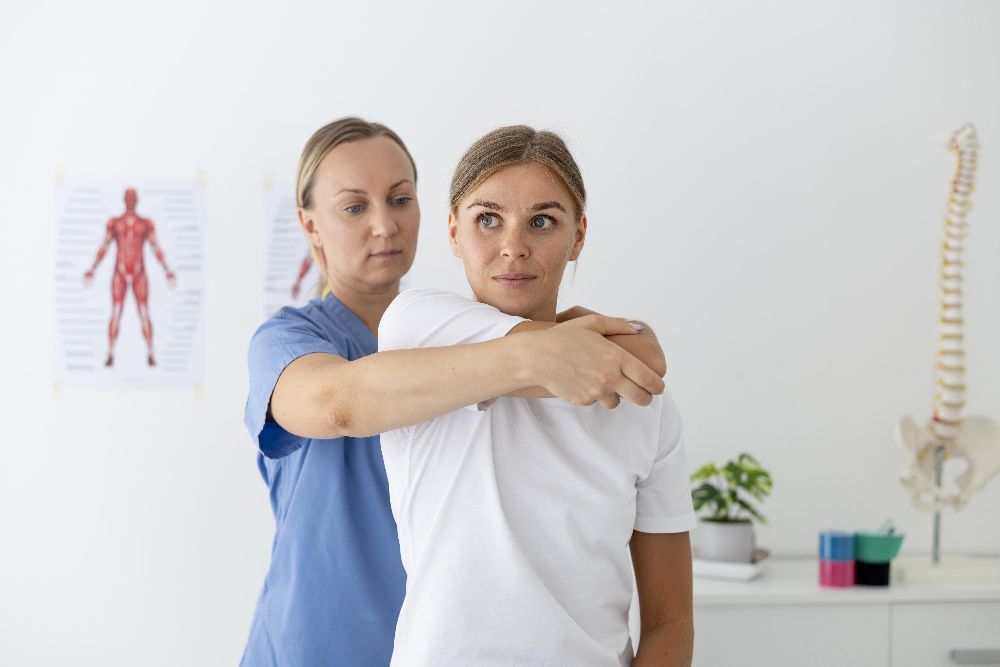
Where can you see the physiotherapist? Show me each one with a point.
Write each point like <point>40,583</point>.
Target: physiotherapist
<point>319,395</point>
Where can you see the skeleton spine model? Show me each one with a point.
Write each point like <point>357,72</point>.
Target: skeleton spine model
<point>976,440</point>
<point>950,368</point>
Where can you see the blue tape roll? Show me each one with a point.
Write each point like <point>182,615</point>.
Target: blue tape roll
<point>836,545</point>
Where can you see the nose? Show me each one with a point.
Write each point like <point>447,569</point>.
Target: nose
<point>383,224</point>
<point>513,243</point>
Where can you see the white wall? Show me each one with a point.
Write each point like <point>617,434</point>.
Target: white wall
<point>765,188</point>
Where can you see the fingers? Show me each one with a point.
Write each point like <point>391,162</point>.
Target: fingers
<point>642,376</point>
<point>573,313</point>
<point>633,393</point>
<point>611,401</point>
<point>604,325</point>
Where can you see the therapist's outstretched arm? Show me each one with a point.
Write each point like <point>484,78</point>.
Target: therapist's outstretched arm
<point>324,396</point>
<point>662,564</point>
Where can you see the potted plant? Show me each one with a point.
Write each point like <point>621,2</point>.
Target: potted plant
<point>728,493</point>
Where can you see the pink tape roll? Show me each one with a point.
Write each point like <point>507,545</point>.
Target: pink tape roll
<point>836,573</point>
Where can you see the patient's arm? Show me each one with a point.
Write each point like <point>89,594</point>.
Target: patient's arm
<point>662,564</point>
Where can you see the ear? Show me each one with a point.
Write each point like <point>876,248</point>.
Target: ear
<point>308,224</point>
<point>581,234</point>
<point>453,234</point>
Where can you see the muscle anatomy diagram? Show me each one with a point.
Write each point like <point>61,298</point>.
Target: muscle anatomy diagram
<point>130,233</point>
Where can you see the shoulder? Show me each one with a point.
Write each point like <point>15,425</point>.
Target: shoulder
<point>658,423</point>
<point>438,318</point>
<point>294,324</point>
<point>423,296</point>
<point>420,303</point>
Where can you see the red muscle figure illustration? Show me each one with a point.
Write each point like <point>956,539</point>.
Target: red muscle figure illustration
<point>130,233</point>
<point>303,270</point>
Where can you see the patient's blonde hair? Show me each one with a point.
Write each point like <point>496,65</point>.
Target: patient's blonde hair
<point>513,145</point>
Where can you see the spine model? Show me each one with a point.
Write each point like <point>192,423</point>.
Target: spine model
<point>950,368</point>
<point>972,439</point>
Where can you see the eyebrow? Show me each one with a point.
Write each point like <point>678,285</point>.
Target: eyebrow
<point>541,206</point>
<point>363,192</point>
<point>547,204</point>
<point>485,204</point>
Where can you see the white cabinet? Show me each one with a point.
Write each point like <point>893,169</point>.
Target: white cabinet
<point>785,619</point>
<point>945,633</point>
<point>800,635</point>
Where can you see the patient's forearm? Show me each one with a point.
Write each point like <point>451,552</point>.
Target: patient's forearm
<point>670,644</point>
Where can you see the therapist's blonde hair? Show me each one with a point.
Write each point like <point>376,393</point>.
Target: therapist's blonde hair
<point>513,145</point>
<point>324,140</point>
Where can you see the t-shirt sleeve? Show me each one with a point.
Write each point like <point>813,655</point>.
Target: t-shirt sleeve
<point>277,343</point>
<point>663,499</point>
<point>437,318</point>
<point>425,317</point>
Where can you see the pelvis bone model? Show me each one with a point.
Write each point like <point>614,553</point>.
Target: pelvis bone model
<point>974,440</point>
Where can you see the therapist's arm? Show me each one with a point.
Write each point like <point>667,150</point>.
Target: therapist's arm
<point>662,563</point>
<point>325,396</point>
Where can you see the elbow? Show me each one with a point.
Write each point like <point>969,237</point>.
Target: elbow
<point>339,415</point>
<point>340,425</point>
<point>659,365</point>
<point>344,418</point>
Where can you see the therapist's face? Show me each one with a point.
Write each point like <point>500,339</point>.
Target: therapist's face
<point>364,215</point>
<point>515,233</point>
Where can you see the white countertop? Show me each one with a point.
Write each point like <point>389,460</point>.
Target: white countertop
<point>791,581</point>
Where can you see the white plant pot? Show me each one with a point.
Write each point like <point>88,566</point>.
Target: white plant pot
<point>725,540</point>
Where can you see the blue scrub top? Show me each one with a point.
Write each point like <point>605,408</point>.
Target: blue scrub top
<point>336,583</point>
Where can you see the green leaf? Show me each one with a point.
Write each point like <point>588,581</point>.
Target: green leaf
<point>705,472</point>
<point>708,494</point>
<point>751,510</point>
<point>721,488</point>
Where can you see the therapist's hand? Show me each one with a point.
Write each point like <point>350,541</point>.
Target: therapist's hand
<point>573,313</point>
<point>574,361</point>
<point>645,347</point>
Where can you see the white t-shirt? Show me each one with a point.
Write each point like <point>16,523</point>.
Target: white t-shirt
<point>514,518</point>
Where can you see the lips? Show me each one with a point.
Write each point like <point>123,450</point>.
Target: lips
<point>514,276</point>
<point>513,279</point>
<point>387,253</point>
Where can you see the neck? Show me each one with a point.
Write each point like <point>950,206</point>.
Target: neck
<point>545,312</point>
<point>368,305</point>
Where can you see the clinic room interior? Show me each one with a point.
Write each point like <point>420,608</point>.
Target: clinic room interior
<point>796,203</point>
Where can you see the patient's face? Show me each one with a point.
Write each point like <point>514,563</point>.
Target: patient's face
<point>515,233</point>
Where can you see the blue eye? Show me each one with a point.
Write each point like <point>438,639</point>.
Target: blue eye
<point>542,222</point>
<point>353,209</point>
<point>488,220</point>
<point>401,201</point>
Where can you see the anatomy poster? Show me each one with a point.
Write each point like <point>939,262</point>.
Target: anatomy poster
<point>130,284</point>
<point>290,279</point>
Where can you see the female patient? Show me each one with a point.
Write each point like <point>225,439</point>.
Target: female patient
<point>514,514</point>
